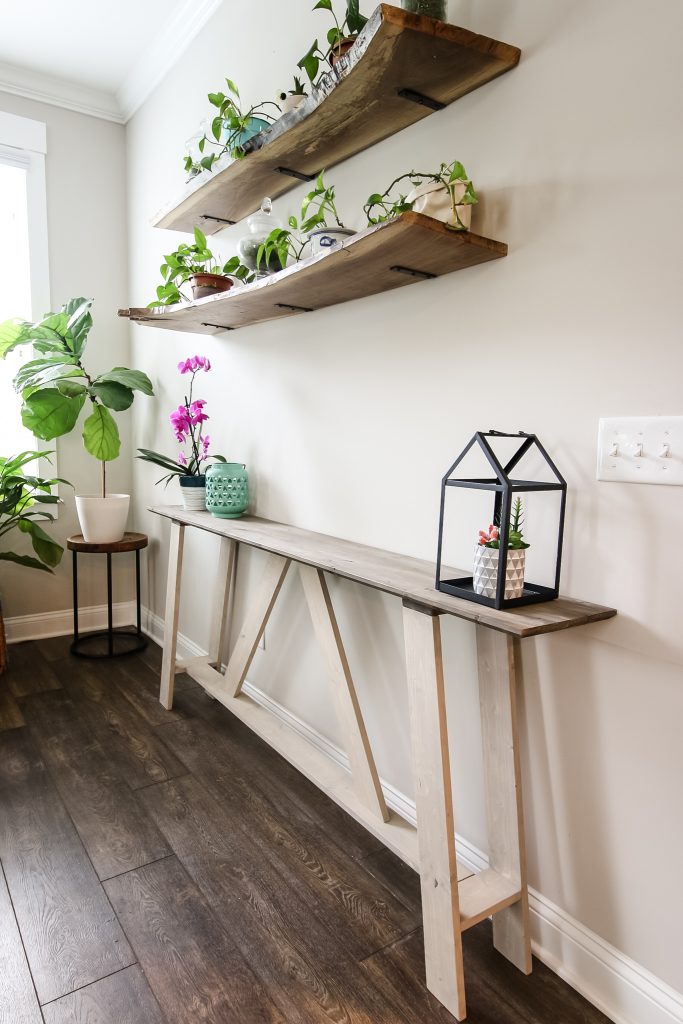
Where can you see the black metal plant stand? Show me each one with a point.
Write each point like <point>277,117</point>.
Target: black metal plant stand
<point>118,641</point>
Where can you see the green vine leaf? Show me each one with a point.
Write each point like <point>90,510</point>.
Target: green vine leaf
<point>101,435</point>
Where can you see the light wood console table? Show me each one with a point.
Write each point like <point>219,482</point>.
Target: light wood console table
<point>453,898</point>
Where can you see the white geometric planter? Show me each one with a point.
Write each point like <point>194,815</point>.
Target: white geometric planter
<point>486,572</point>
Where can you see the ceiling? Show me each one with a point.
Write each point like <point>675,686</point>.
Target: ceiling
<point>77,49</point>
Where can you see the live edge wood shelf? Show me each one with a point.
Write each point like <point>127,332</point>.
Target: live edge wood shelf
<point>402,67</point>
<point>453,897</point>
<point>399,252</point>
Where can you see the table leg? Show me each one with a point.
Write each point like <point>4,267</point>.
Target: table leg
<point>497,695</point>
<point>225,578</point>
<point>168,664</point>
<point>75,581</point>
<point>110,610</point>
<point>138,611</point>
<point>258,614</point>
<point>434,801</point>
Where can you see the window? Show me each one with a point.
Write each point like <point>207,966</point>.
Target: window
<point>24,274</point>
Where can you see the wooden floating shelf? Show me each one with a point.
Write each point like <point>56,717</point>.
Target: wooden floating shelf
<point>402,68</point>
<point>399,252</point>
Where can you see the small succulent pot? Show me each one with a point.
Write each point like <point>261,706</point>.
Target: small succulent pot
<point>193,491</point>
<point>341,49</point>
<point>434,200</point>
<point>324,239</point>
<point>429,8</point>
<point>255,125</point>
<point>204,285</point>
<point>290,103</point>
<point>227,490</point>
<point>485,579</point>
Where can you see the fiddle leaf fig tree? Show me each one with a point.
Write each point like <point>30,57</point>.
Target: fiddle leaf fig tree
<point>55,386</point>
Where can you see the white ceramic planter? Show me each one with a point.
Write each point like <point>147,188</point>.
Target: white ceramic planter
<point>291,103</point>
<point>325,239</point>
<point>193,492</point>
<point>433,200</point>
<point>103,520</point>
<point>486,572</point>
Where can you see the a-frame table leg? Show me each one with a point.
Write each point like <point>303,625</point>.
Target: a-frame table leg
<point>434,800</point>
<point>168,664</point>
<point>223,598</point>
<point>257,618</point>
<point>497,696</point>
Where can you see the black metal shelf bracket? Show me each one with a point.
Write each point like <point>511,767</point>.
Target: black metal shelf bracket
<point>219,327</point>
<point>421,99</point>
<point>218,220</point>
<point>424,275</point>
<point>296,174</point>
<point>294,309</point>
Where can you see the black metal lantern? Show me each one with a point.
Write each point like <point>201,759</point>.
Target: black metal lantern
<point>504,487</point>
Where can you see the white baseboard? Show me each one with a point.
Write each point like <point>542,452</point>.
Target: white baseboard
<point>38,627</point>
<point>623,990</point>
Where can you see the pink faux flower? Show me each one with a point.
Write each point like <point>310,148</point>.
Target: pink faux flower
<point>194,363</point>
<point>196,411</point>
<point>485,537</point>
<point>182,461</point>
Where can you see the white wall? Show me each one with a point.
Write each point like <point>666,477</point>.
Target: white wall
<point>86,195</point>
<point>348,417</point>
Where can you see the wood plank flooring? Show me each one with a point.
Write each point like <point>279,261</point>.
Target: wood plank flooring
<point>168,868</point>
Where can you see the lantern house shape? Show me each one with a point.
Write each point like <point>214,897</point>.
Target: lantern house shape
<point>504,487</point>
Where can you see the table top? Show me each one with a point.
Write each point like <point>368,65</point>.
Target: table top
<point>411,579</point>
<point>129,542</point>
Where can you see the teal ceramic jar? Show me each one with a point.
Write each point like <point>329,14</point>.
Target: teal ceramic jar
<point>227,490</point>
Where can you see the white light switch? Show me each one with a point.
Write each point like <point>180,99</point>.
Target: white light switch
<point>641,449</point>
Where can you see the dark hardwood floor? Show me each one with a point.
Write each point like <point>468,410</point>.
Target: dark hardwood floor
<point>170,868</point>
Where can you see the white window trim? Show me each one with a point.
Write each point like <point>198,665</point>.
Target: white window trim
<point>24,142</point>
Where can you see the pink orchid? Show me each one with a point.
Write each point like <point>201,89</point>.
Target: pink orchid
<point>196,413</point>
<point>182,460</point>
<point>194,363</point>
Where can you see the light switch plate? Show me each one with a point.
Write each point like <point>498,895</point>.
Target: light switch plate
<point>641,449</point>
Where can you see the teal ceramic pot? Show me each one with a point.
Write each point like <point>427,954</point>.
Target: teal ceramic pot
<point>227,490</point>
<point>255,126</point>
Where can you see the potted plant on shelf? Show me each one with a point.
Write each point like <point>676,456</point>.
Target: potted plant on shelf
<point>231,129</point>
<point>289,101</point>
<point>487,553</point>
<point>187,422</point>
<point>195,265</point>
<point>446,195</point>
<point>312,227</point>
<point>55,386</point>
<point>340,39</point>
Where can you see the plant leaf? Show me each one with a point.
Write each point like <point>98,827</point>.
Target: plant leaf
<point>79,322</point>
<point>11,334</point>
<point>134,379</point>
<point>115,396</point>
<point>101,435</point>
<point>48,550</point>
<point>27,560</point>
<point>49,414</point>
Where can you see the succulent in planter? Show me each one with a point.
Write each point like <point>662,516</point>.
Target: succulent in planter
<point>231,128</point>
<point>446,194</point>
<point>55,387</point>
<point>196,265</point>
<point>487,555</point>
<point>21,496</point>
<point>340,39</point>
<point>319,223</point>
<point>289,101</point>
<point>187,422</point>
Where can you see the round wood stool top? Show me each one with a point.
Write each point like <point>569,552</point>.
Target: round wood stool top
<point>129,542</point>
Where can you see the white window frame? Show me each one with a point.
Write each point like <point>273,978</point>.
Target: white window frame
<point>23,142</point>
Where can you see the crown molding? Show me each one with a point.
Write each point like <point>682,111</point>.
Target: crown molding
<point>59,92</point>
<point>157,59</point>
<point>163,53</point>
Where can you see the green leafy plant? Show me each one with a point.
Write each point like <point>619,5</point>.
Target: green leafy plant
<point>351,25</point>
<point>317,206</point>
<point>491,538</point>
<point>380,207</point>
<point>55,386</point>
<point>189,259</point>
<point>298,90</point>
<point>21,494</point>
<point>228,128</point>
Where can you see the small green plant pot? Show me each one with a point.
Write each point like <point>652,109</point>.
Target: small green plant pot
<point>227,490</point>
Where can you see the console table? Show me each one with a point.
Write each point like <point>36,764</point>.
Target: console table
<point>453,898</point>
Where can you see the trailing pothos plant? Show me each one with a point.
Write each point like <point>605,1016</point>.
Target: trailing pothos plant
<point>189,259</point>
<point>351,25</point>
<point>391,203</point>
<point>55,386</point>
<point>228,128</point>
<point>21,495</point>
<point>318,210</point>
